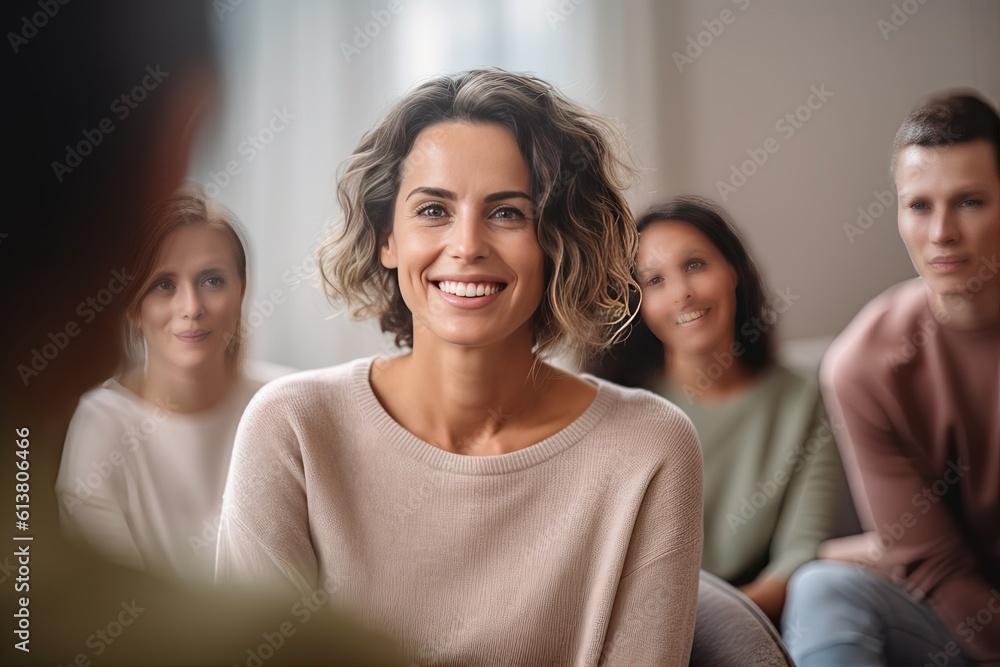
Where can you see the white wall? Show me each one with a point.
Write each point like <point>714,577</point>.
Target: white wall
<point>689,127</point>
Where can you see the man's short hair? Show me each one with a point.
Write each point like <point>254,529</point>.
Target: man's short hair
<point>947,120</point>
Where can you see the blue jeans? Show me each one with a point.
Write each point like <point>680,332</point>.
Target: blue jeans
<point>841,614</point>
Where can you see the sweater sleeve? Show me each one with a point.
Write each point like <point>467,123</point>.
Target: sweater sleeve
<point>90,511</point>
<point>809,511</point>
<point>918,539</point>
<point>652,620</point>
<point>264,534</point>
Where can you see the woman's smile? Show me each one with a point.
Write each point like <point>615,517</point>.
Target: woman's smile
<point>469,289</point>
<point>691,316</point>
<point>195,336</point>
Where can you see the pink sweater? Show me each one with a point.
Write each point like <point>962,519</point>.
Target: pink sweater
<point>918,406</point>
<point>580,548</point>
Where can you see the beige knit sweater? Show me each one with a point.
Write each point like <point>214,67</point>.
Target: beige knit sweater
<point>584,547</point>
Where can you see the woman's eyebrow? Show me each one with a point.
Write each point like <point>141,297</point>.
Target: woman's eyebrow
<point>509,194</point>
<point>448,194</point>
<point>433,192</point>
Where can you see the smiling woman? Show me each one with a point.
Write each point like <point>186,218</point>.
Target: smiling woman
<point>147,453</point>
<point>771,465</point>
<point>481,505</point>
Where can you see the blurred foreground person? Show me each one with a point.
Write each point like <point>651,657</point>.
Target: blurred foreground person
<point>80,191</point>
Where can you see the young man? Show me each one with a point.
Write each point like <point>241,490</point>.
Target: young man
<point>914,385</point>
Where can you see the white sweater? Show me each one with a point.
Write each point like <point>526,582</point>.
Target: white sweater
<point>142,485</point>
<point>584,546</point>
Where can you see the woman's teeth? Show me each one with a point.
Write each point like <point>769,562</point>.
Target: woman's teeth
<point>690,317</point>
<point>468,289</point>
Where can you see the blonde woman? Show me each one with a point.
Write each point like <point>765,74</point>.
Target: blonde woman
<point>147,452</point>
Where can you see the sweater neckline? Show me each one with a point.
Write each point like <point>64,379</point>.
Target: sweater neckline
<point>499,464</point>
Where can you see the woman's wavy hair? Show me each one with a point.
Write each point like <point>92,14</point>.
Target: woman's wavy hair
<point>188,206</point>
<point>640,360</point>
<point>579,165</point>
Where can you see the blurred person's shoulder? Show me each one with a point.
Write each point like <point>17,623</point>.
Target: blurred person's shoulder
<point>108,422</point>
<point>894,312</point>
<point>110,402</point>
<point>874,344</point>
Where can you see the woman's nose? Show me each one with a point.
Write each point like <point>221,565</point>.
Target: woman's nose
<point>190,302</point>
<point>680,289</point>
<point>468,238</point>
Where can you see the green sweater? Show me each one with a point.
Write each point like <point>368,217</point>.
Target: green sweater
<point>772,476</point>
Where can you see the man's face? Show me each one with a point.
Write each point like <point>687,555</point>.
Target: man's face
<point>949,215</point>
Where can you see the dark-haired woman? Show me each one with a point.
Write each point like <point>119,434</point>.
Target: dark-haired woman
<point>704,342</point>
